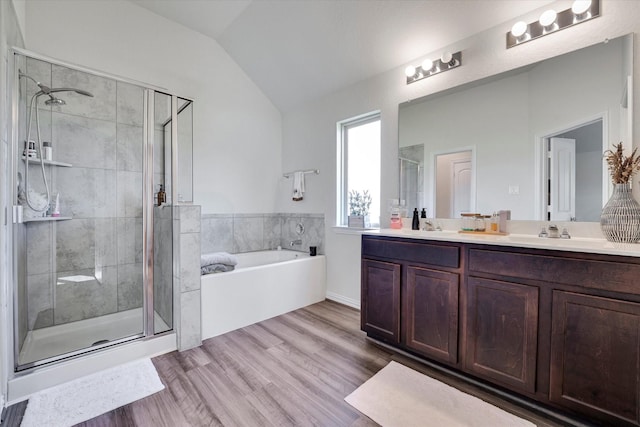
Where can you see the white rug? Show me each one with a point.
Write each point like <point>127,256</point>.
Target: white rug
<point>85,398</point>
<point>400,396</point>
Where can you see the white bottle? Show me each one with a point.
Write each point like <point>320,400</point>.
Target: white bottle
<point>47,151</point>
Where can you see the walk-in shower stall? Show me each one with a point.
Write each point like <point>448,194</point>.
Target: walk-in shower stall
<point>92,251</point>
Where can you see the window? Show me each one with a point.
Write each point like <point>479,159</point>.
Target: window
<point>359,164</point>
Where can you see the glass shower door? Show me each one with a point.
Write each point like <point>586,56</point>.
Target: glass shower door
<point>80,258</point>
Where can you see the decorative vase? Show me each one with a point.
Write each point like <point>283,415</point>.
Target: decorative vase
<point>620,219</point>
<point>358,221</point>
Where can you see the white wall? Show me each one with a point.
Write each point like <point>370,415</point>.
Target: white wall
<point>309,132</point>
<point>237,130</point>
<point>10,35</point>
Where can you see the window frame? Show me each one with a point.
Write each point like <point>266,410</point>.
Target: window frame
<point>343,126</point>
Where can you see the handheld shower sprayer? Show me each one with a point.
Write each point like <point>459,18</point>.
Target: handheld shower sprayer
<point>53,100</point>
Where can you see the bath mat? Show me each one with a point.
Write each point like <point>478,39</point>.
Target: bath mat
<point>400,396</point>
<point>85,398</point>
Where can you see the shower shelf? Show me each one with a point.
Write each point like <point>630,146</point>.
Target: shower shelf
<point>48,218</point>
<point>51,163</point>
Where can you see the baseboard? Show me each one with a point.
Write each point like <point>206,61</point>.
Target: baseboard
<point>344,300</point>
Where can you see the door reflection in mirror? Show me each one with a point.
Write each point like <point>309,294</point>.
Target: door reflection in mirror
<point>453,172</point>
<point>573,172</point>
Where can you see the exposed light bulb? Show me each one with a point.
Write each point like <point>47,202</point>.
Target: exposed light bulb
<point>410,71</point>
<point>427,65</point>
<point>446,57</point>
<point>519,29</point>
<point>548,18</point>
<point>580,6</point>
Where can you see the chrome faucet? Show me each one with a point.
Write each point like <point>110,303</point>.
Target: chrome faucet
<point>554,233</point>
<point>428,226</point>
<point>295,242</point>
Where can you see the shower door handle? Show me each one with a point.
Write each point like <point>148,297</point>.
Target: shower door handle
<point>17,214</point>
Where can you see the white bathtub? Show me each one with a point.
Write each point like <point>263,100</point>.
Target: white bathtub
<point>264,284</point>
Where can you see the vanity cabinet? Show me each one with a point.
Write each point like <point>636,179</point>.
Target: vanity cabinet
<point>595,360</point>
<point>561,328</point>
<point>502,332</point>
<point>430,312</point>
<point>422,283</point>
<point>380,305</point>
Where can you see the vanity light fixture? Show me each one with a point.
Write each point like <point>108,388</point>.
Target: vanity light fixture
<point>520,31</point>
<point>548,20</point>
<point>551,21</point>
<point>428,68</point>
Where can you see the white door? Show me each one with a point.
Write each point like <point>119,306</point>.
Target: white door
<point>562,179</point>
<point>461,191</point>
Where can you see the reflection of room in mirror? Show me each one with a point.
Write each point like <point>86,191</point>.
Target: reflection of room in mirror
<point>453,178</point>
<point>506,118</point>
<point>412,173</point>
<point>574,191</point>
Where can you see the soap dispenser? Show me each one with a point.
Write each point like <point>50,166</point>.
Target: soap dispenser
<point>161,195</point>
<point>415,223</point>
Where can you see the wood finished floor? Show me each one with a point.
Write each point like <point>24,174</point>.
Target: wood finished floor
<point>292,370</point>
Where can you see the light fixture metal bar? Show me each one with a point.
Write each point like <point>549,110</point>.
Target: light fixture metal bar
<point>438,67</point>
<point>565,19</point>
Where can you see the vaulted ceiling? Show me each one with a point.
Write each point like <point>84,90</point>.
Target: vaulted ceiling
<point>298,50</point>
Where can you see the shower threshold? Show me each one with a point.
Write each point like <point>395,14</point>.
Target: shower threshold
<point>45,343</point>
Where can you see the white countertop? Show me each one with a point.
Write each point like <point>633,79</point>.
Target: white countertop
<point>575,244</point>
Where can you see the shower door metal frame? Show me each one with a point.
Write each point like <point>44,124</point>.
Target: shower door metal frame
<point>147,206</point>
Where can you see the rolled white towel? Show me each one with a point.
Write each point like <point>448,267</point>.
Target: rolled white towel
<point>218,258</point>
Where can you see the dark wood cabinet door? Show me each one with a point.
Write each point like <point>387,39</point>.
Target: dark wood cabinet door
<point>431,313</point>
<point>502,332</point>
<point>595,356</point>
<point>380,311</point>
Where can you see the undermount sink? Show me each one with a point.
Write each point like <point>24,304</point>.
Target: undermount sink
<point>428,233</point>
<point>547,241</point>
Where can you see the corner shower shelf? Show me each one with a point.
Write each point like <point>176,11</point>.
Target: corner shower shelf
<point>50,162</point>
<point>48,218</point>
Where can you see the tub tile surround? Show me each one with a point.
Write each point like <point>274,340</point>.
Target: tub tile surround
<point>187,275</point>
<point>235,233</point>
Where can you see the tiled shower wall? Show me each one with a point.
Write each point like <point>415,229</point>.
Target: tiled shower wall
<point>236,233</point>
<point>102,138</point>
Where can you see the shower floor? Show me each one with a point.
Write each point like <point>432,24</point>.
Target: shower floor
<point>54,341</point>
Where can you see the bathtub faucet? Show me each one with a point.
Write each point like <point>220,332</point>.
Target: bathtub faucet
<point>295,242</point>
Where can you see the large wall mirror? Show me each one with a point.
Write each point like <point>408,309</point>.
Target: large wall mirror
<point>530,140</point>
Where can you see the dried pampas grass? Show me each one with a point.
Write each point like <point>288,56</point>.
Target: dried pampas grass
<point>621,167</point>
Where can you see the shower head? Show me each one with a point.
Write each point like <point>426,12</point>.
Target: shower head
<point>54,101</point>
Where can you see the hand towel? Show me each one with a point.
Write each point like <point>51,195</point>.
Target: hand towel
<point>218,258</point>
<point>298,186</point>
<point>216,268</point>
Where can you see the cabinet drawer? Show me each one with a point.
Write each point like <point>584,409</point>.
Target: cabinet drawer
<point>606,275</point>
<point>425,253</point>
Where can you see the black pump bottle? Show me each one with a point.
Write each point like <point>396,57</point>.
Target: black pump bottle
<point>415,224</point>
